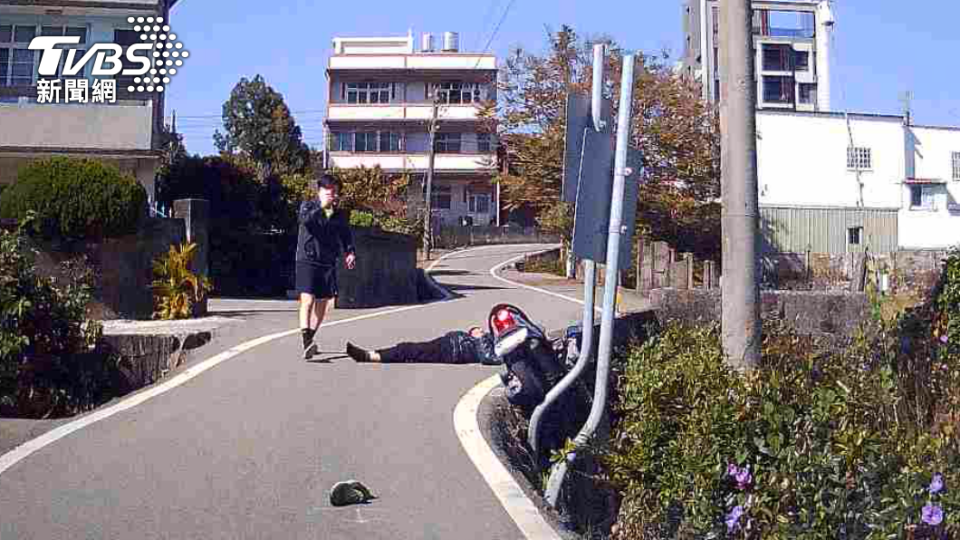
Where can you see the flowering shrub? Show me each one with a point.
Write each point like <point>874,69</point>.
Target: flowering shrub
<point>48,365</point>
<point>820,441</point>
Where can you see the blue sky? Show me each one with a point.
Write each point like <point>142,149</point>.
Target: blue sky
<point>880,48</point>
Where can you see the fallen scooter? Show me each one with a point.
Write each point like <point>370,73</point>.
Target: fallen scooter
<point>533,362</point>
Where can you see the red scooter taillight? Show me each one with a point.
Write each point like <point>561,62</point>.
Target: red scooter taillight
<point>503,321</point>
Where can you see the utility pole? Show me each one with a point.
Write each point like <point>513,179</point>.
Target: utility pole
<point>428,222</point>
<point>740,292</point>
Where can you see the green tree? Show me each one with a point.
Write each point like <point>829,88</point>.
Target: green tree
<point>172,148</point>
<point>378,193</point>
<point>676,133</point>
<point>259,126</point>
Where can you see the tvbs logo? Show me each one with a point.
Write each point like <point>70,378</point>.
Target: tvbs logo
<point>153,56</point>
<point>103,52</point>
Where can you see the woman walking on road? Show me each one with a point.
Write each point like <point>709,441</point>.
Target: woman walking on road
<point>324,235</point>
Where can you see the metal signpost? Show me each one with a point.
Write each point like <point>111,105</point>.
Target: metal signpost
<point>603,230</point>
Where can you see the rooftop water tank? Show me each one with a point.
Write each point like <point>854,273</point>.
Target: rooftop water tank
<point>451,41</point>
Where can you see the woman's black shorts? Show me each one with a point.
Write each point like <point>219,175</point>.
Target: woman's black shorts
<point>320,281</point>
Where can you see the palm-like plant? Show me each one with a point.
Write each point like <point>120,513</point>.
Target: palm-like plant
<point>176,287</point>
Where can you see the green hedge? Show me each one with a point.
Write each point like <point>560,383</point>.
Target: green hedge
<point>76,199</point>
<point>820,442</point>
<point>48,367</point>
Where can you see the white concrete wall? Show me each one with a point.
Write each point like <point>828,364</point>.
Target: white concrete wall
<point>451,61</point>
<point>114,127</point>
<point>340,111</point>
<point>934,147</point>
<point>447,162</point>
<point>76,125</point>
<point>938,227</point>
<point>802,160</point>
<point>373,45</point>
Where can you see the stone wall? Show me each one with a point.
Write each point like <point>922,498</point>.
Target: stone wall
<point>836,314</point>
<point>450,237</point>
<point>894,271</point>
<point>123,266</point>
<point>385,274</point>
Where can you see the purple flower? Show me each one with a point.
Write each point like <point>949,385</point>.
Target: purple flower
<point>944,338</point>
<point>937,484</point>
<point>743,478</point>
<point>932,514</point>
<point>733,518</point>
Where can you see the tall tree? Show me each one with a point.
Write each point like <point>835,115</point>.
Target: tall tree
<point>259,126</point>
<point>677,134</point>
<point>172,148</point>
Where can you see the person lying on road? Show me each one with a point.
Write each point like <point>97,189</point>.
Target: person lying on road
<point>456,347</point>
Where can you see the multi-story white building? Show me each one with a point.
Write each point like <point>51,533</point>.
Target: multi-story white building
<point>381,94</point>
<point>792,44</point>
<point>124,132</point>
<point>840,183</point>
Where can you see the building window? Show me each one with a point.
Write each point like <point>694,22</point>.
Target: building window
<point>389,141</point>
<point>922,198</point>
<point>370,92</point>
<point>16,60</point>
<point>483,143</point>
<point>441,197</point>
<point>779,23</point>
<point>479,203</point>
<point>716,20</point>
<point>69,31</point>
<point>341,141</point>
<point>808,93</point>
<point>956,166</point>
<point>778,90</point>
<point>448,143</point>
<point>854,236</point>
<point>456,93</point>
<point>859,158</point>
<point>126,38</point>
<point>366,141</point>
<point>776,57</point>
<point>801,61</point>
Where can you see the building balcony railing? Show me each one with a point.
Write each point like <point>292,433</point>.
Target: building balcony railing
<point>76,126</point>
<point>415,162</point>
<point>409,112</point>
<point>422,61</point>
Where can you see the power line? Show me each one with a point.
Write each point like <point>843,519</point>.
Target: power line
<point>491,7</point>
<point>495,30</point>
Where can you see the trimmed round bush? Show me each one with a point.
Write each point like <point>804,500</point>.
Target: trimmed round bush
<point>76,199</point>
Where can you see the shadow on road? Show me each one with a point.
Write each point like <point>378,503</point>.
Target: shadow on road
<point>441,273</point>
<point>249,312</point>
<point>473,288</point>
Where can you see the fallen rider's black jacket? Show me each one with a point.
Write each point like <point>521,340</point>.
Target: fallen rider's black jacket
<point>466,349</point>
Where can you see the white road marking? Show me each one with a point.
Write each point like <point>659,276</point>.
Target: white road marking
<point>520,508</point>
<point>497,268</point>
<point>19,453</point>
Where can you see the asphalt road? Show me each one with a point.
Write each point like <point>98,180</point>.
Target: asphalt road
<point>251,447</point>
